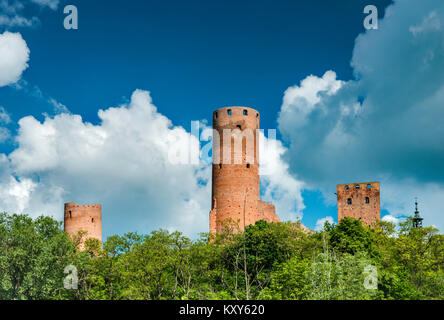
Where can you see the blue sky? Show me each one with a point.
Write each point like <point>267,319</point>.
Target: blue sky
<point>209,53</point>
<point>195,56</point>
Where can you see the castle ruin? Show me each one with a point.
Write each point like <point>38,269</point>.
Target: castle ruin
<point>235,177</point>
<point>235,183</point>
<point>359,201</point>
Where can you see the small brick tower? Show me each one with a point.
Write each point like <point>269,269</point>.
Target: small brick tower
<point>359,200</point>
<point>83,217</point>
<point>235,187</point>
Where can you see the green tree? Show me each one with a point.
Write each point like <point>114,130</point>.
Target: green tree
<point>350,236</point>
<point>33,255</point>
<point>104,278</point>
<point>151,270</point>
<point>333,277</point>
<point>288,281</point>
<point>420,252</point>
<point>266,261</point>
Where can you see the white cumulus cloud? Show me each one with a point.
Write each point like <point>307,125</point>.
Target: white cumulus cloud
<point>386,123</point>
<point>121,163</point>
<point>280,187</point>
<point>14,57</point>
<point>124,163</point>
<point>390,218</point>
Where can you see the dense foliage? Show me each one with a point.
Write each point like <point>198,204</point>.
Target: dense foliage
<point>267,261</point>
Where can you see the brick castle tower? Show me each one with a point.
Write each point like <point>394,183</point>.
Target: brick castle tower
<point>235,188</point>
<point>359,200</point>
<point>83,217</point>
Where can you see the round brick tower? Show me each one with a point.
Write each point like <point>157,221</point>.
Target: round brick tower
<point>83,217</point>
<point>235,184</point>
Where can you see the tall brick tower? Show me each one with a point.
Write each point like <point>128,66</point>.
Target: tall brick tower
<point>83,217</point>
<point>235,188</point>
<point>359,200</point>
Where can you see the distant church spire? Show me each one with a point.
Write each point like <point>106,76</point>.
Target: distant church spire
<point>417,220</point>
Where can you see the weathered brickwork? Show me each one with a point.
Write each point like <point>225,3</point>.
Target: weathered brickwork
<point>83,217</point>
<point>236,186</point>
<point>359,200</point>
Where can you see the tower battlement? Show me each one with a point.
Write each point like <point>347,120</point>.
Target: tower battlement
<point>75,205</point>
<point>231,117</point>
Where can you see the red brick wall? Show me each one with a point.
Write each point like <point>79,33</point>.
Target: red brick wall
<point>368,212</point>
<point>232,183</point>
<point>267,212</point>
<point>83,217</point>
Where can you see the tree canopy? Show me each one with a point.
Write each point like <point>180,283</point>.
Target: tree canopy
<point>268,261</point>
